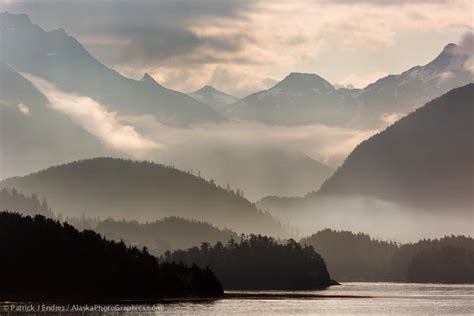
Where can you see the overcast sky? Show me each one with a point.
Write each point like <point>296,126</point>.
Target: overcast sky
<point>242,46</point>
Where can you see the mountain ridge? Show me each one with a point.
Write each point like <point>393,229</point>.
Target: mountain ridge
<point>142,191</point>
<point>218,100</point>
<point>62,60</point>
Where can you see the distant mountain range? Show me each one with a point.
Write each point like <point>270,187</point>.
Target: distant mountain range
<point>302,99</point>
<point>63,61</point>
<point>418,85</point>
<point>144,191</point>
<point>425,160</point>
<point>298,99</point>
<point>218,100</point>
<point>29,127</point>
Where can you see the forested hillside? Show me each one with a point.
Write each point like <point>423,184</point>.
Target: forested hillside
<point>425,159</point>
<point>54,261</point>
<point>258,263</point>
<point>14,201</point>
<point>143,191</point>
<point>358,257</point>
<point>169,233</point>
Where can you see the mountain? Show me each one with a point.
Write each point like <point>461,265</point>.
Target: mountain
<point>301,99</point>
<point>29,134</point>
<point>62,60</point>
<point>425,159</point>
<point>150,80</point>
<point>218,100</point>
<point>419,170</point>
<point>298,99</point>
<point>257,171</point>
<point>144,191</point>
<point>404,92</point>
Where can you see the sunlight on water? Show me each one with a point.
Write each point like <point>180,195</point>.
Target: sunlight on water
<point>385,298</point>
<point>347,299</point>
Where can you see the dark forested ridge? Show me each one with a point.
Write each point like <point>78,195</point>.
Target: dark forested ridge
<point>169,233</point>
<point>357,257</point>
<point>47,259</point>
<point>445,264</point>
<point>258,263</point>
<point>108,187</point>
<point>353,257</point>
<point>425,159</point>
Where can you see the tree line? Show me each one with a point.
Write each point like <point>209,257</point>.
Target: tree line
<point>45,259</point>
<point>258,262</point>
<point>358,257</point>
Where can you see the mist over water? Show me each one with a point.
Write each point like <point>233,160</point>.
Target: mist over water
<point>385,220</point>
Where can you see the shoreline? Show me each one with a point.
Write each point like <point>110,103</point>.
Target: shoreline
<point>226,296</point>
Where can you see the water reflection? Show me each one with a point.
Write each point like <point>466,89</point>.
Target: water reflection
<point>347,299</point>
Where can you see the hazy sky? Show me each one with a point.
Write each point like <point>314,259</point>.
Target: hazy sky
<point>242,46</point>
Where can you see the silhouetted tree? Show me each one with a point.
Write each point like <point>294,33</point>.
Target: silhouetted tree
<point>258,262</point>
<point>44,259</point>
<point>11,199</point>
<point>357,257</point>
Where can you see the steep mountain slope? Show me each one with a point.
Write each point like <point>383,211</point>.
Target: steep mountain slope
<point>425,159</point>
<point>416,86</point>
<point>307,98</point>
<point>63,61</point>
<point>32,135</point>
<point>218,100</point>
<point>298,99</point>
<point>418,172</point>
<point>142,191</point>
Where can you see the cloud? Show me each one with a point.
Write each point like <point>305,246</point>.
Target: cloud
<point>390,118</point>
<point>191,43</point>
<point>390,2</point>
<point>23,109</point>
<point>380,218</point>
<point>323,143</point>
<point>144,137</point>
<point>466,47</point>
<point>94,118</point>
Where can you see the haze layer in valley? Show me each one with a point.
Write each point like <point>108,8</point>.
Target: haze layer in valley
<point>59,103</point>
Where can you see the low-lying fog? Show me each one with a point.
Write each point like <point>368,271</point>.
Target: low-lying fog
<point>240,146</point>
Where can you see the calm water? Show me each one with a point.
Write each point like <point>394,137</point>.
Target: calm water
<point>347,299</point>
